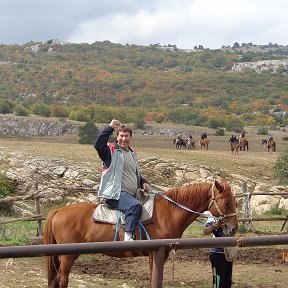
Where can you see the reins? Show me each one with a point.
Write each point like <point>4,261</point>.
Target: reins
<point>205,215</point>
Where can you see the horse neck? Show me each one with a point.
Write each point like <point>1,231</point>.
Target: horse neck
<point>195,197</point>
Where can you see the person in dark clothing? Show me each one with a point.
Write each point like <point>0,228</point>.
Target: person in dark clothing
<point>233,139</point>
<point>203,136</point>
<point>270,138</point>
<point>121,176</point>
<point>221,268</point>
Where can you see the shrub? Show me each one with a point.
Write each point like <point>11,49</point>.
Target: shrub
<point>220,132</point>
<point>6,106</point>
<point>20,110</point>
<point>285,138</point>
<point>262,131</point>
<point>275,211</point>
<point>242,229</point>
<point>7,188</point>
<point>140,124</point>
<point>281,167</point>
<point>41,110</point>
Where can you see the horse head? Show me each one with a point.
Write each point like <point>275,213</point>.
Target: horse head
<point>223,204</point>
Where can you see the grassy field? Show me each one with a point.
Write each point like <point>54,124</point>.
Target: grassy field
<point>256,164</point>
<point>190,271</point>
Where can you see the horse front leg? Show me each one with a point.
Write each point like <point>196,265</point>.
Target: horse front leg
<point>66,263</point>
<point>157,260</point>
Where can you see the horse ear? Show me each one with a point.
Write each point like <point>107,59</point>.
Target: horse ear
<point>219,186</point>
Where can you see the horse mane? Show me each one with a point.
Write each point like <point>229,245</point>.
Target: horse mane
<point>182,195</point>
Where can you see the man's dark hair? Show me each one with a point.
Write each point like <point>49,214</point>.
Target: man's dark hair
<point>124,128</point>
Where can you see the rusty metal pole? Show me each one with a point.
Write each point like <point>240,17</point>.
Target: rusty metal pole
<point>158,268</point>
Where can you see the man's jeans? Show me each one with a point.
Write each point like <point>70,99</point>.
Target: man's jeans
<point>131,207</point>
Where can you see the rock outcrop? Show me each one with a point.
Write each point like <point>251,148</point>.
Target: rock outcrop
<point>29,127</point>
<point>57,180</point>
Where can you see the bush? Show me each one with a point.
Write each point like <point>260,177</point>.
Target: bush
<point>285,138</point>
<point>6,106</point>
<point>220,132</point>
<point>275,211</point>
<point>262,131</point>
<point>242,229</point>
<point>281,167</point>
<point>41,110</point>
<point>140,124</point>
<point>7,188</point>
<point>20,110</point>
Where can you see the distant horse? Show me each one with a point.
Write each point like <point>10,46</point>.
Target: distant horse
<point>243,144</point>
<point>191,144</point>
<point>73,224</point>
<point>271,145</point>
<point>180,143</point>
<point>204,143</point>
<point>234,147</point>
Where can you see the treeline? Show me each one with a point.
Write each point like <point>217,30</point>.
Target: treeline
<point>80,81</point>
<point>209,117</point>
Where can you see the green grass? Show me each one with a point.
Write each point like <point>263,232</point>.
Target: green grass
<point>17,233</point>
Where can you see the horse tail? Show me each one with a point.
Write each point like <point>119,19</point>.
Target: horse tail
<point>52,262</point>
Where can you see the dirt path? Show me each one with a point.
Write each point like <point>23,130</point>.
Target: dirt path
<point>255,267</point>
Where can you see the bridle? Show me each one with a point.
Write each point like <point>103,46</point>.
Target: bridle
<point>214,202</point>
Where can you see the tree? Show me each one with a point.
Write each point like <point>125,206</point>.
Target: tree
<point>140,124</point>
<point>88,133</point>
<point>281,167</point>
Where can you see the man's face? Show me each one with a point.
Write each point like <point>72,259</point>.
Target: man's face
<point>124,139</point>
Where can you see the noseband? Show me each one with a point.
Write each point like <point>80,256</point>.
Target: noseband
<point>213,201</point>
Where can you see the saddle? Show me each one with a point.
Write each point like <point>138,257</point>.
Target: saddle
<point>106,214</point>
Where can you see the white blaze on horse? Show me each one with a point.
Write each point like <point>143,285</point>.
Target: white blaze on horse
<point>191,144</point>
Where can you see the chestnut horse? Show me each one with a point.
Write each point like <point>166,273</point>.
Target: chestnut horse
<point>204,143</point>
<point>243,144</point>
<point>73,224</point>
<point>234,147</point>
<point>270,145</point>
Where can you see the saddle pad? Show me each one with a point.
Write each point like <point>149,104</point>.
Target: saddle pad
<point>104,213</point>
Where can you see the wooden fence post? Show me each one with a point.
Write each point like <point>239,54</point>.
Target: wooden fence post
<point>38,208</point>
<point>246,206</point>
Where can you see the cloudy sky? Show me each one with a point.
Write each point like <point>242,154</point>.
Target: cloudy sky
<point>185,23</point>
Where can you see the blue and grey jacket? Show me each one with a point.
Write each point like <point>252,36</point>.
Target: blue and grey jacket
<point>113,160</point>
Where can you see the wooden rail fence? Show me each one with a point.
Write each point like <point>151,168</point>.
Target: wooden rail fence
<point>247,219</point>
